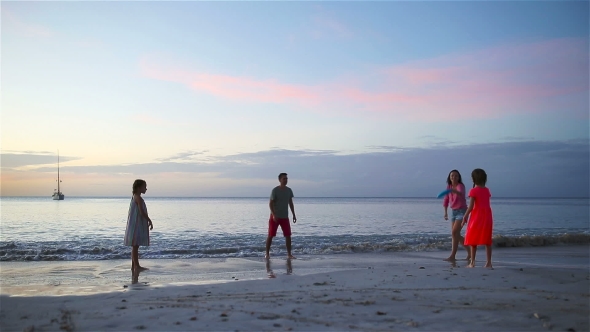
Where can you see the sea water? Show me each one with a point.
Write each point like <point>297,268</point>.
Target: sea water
<point>83,228</point>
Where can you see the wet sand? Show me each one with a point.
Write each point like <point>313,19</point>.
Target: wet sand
<point>529,289</point>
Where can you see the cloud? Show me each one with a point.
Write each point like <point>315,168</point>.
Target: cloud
<point>433,140</point>
<point>183,156</point>
<point>515,169</point>
<point>30,158</point>
<point>536,77</point>
<point>387,148</point>
<point>516,138</point>
<point>233,87</point>
<point>504,79</point>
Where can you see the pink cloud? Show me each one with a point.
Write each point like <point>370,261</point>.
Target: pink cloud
<point>521,78</point>
<point>235,88</point>
<point>513,78</point>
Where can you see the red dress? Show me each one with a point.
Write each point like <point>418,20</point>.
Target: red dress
<point>481,222</point>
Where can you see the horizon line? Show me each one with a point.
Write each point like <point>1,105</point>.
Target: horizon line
<point>413,197</point>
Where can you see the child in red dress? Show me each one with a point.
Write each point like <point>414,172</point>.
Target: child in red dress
<point>479,217</point>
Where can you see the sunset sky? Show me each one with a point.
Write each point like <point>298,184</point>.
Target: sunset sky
<point>350,98</point>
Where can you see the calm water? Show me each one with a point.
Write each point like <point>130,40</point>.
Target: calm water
<point>92,228</point>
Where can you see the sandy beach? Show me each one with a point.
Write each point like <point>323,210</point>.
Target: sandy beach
<point>529,289</point>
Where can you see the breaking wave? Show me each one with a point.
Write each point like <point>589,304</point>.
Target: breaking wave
<point>253,246</point>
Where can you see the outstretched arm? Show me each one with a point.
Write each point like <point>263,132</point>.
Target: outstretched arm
<point>292,209</point>
<point>458,192</point>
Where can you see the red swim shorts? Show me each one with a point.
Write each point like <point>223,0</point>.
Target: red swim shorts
<point>273,226</point>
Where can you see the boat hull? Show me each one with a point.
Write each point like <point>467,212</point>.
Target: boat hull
<point>58,197</point>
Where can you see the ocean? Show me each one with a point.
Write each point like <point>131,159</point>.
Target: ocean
<point>86,228</point>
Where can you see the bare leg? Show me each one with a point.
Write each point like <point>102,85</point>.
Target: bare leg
<point>135,276</point>
<point>456,237</point>
<point>473,252</point>
<point>134,257</point>
<point>288,244</point>
<point>488,257</point>
<point>268,243</point>
<point>468,258</point>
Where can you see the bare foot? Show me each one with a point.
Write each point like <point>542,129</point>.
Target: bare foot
<point>488,265</point>
<point>292,257</point>
<point>267,256</point>
<point>470,265</point>
<point>450,259</point>
<point>141,268</point>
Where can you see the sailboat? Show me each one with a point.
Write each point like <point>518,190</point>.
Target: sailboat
<point>57,195</point>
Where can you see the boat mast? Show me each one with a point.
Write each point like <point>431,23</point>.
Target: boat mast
<point>58,190</point>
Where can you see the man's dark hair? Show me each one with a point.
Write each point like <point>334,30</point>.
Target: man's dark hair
<point>281,175</point>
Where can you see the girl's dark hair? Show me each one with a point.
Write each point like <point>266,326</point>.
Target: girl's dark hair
<point>449,177</point>
<point>136,184</point>
<point>479,177</point>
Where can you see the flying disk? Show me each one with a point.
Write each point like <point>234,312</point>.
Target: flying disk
<point>443,193</point>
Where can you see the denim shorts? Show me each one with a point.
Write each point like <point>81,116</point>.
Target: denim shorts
<point>458,215</point>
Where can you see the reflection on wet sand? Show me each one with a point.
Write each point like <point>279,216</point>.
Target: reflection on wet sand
<point>135,276</point>
<point>271,273</point>
<point>453,262</point>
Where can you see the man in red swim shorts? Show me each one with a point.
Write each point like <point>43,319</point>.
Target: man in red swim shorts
<point>281,198</point>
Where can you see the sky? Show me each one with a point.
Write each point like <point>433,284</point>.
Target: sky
<point>351,99</point>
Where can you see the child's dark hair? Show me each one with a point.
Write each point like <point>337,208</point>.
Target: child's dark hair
<point>136,184</point>
<point>479,177</point>
<point>281,175</point>
<point>449,177</point>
